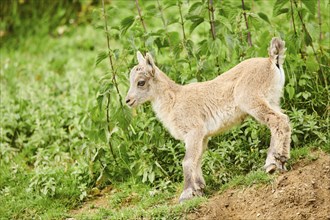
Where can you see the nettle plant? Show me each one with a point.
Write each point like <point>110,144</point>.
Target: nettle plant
<point>196,41</point>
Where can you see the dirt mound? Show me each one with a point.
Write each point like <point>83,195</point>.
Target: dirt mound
<point>301,193</point>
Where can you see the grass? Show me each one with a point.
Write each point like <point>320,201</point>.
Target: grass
<point>260,177</point>
<point>132,200</point>
<point>18,202</point>
<point>41,88</point>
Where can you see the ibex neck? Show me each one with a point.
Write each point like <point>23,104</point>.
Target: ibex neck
<point>165,92</point>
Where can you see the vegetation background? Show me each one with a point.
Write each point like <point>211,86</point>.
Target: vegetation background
<point>66,133</point>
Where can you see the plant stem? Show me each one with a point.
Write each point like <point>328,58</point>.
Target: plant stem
<point>140,15</point>
<point>320,18</point>
<point>108,126</point>
<point>164,24</point>
<point>161,13</point>
<point>292,17</point>
<point>312,45</point>
<point>114,80</point>
<point>182,23</point>
<point>211,18</point>
<point>247,25</point>
<point>184,34</point>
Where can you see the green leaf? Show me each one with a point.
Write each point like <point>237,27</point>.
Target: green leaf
<point>311,66</point>
<point>264,17</point>
<point>122,116</point>
<point>214,46</point>
<point>203,48</point>
<point>100,57</point>
<point>190,46</point>
<point>302,82</point>
<point>169,3</point>
<point>308,38</point>
<point>290,90</point>
<point>295,138</point>
<point>195,24</point>
<point>310,5</point>
<point>306,95</point>
<point>193,17</point>
<point>278,6</point>
<point>172,20</point>
<point>174,37</point>
<point>151,177</point>
<point>126,23</point>
<point>100,99</point>
<point>223,20</point>
<point>283,11</point>
<point>99,27</point>
<point>195,7</point>
<point>161,42</point>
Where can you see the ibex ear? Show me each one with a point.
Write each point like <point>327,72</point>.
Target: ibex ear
<point>150,63</point>
<point>140,58</point>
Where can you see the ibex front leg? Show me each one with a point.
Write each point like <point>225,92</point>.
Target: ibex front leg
<point>191,166</point>
<point>200,179</point>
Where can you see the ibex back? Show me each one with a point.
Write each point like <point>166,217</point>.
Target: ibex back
<point>194,112</point>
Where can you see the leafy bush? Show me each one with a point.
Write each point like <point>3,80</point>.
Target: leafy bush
<point>180,36</point>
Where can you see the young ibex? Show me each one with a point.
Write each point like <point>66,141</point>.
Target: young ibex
<point>194,112</point>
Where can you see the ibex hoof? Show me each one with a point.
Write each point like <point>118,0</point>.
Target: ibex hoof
<point>189,194</point>
<point>281,158</point>
<point>271,168</point>
<point>282,168</point>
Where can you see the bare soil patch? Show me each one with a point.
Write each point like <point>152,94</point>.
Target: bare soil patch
<point>100,200</point>
<point>301,193</point>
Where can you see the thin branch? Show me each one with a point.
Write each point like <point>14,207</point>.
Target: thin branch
<point>107,35</point>
<point>320,18</point>
<point>182,23</point>
<point>211,18</point>
<point>212,24</point>
<point>184,34</point>
<point>292,17</point>
<point>164,24</point>
<point>161,13</point>
<point>311,43</point>
<point>108,127</point>
<point>114,80</point>
<point>140,15</point>
<point>247,25</point>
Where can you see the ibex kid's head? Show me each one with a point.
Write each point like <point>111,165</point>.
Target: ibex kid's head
<point>141,77</point>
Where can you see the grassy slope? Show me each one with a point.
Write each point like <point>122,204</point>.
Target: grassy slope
<point>134,200</point>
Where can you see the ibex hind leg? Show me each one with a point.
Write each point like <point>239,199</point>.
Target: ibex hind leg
<point>278,123</point>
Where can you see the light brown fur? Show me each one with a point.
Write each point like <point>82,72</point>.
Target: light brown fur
<point>194,112</point>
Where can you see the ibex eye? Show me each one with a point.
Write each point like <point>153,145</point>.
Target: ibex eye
<point>141,83</point>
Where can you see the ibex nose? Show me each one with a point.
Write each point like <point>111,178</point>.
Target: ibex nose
<point>127,101</point>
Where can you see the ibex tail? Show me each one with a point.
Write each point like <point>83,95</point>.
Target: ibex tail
<point>276,51</point>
